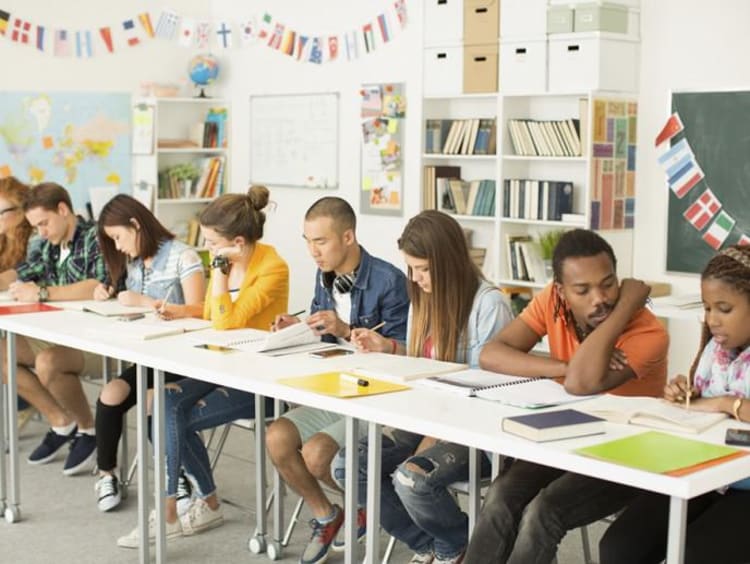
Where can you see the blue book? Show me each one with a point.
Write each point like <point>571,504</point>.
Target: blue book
<point>554,425</point>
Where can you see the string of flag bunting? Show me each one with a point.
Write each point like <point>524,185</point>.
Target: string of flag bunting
<point>683,174</point>
<point>202,34</point>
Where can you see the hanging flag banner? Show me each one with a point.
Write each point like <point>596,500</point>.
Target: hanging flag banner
<point>40,37</point>
<point>62,43</point>
<point>131,35</point>
<point>167,25</point>
<point>83,44</point>
<point>719,230</point>
<point>224,35</point>
<point>186,36</point>
<point>4,17</point>
<point>702,210</point>
<point>247,32</point>
<point>145,20</point>
<point>743,240</point>
<point>106,34</point>
<point>670,129</point>
<point>20,32</point>
<point>201,34</point>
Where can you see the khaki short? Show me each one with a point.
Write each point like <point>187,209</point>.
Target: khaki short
<point>92,363</point>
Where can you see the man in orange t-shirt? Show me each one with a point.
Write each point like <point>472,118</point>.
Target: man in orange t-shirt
<point>601,338</point>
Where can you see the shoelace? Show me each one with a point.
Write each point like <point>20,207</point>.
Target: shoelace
<point>106,486</point>
<point>184,488</point>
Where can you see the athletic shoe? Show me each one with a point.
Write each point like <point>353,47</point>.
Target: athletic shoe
<point>322,537</point>
<point>81,455</point>
<point>133,538</point>
<point>422,558</point>
<point>339,545</point>
<point>452,560</point>
<point>49,446</point>
<point>184,494</point>
<point>107,492</point>
<point>200,517</point>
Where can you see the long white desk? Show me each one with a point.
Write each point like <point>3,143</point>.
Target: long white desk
<point>469,421</point>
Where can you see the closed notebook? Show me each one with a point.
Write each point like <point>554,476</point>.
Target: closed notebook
<point>553,425</point>
<point>152,327</point>
<point>25,307</point>
<point>342,384</point>
<point>660,452</point>
<point>651,412</point>
<point>112,308</point>
<point>294,339</point>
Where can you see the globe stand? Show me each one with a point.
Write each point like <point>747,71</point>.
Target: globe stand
<point>202,92</point>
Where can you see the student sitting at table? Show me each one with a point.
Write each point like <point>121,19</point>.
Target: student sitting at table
<point>146,264</point>
<point>67,265</point>
<point>352,289</point>
<point>720,377</point>
<point>249,287</point>
<point>16,242</point>
<point>454,312</point>
<point>601,338</point>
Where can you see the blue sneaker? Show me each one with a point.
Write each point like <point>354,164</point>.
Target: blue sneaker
<point>81,455</point>
<point>51,443</point>
<point>339,545</point>
<point>322,537</point>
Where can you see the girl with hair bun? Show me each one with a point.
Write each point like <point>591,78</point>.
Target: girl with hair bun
<point>248,287</point>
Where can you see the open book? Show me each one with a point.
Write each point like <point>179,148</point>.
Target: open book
<point>112,308</point>
<point>293,339</point>
<point>503,388</point>
<point>396,367</point>
<point>651,412</point>
<point>153,327</point>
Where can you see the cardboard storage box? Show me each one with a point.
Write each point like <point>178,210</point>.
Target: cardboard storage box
<point>480,68</point>
<point>601,16</point>
<point>481,21</point>
<point>523,66</point>
<point>443,22</point>
<point>443,71</point>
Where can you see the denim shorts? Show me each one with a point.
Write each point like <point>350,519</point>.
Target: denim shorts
<point>310,420</point>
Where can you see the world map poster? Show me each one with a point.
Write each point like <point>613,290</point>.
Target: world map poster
<point>80,140</point>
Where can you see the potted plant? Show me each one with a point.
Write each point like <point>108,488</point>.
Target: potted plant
<point>183,175</point>
<point>547,243</point>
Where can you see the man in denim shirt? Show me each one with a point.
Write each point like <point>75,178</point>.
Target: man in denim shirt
<point>352,289</point>
<point>66,266</point>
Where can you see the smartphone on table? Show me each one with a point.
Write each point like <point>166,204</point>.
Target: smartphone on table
<point>131,316</point>
<point>738,437</point>
<point>330,353</point>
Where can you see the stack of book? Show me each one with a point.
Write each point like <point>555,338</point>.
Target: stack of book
<point>475,197</point>
<point>525,260</point>
<point>429,183</point>
<point>460,136</point>
<point>536,138</point>
<point>545,200</point>
<point>208,183</point>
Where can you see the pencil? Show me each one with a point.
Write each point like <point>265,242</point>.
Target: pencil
<point>378,326</point>
<point>296,313</point>
<point>166,299</point>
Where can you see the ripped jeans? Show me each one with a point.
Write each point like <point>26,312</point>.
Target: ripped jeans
<point>192,406</point>
<point>416,506</point>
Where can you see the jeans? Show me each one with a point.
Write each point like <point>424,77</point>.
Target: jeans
<point>192,406</point>
<point>415,506</point>
<point>529,509</point>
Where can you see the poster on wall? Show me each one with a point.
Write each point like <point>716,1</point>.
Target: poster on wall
<point>79,140</point>
<point>382,113</point>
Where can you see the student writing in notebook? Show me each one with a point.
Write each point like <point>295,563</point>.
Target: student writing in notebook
<point>66,265</point>
<point>601,338</point>
<point>352,289</point>
<point>248,287</point>
<point>144,263</point>
<point>454,312</point>
<point>721,383</point>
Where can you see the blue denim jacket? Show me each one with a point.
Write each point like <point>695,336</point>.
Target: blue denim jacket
<point>379,294</point>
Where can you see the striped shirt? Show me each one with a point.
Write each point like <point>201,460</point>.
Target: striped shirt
<point>85,261</point>
<point>173,263</point>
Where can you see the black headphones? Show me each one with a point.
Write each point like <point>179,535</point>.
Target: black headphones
<point>342,282</point>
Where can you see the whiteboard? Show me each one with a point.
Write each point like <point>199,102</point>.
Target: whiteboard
<point>294,140</point>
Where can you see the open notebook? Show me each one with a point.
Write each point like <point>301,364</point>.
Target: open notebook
<point>503,388</point>
<point>396,367</point>
<point>651,412</point>
<point>152,327</point>
<point>112,308</point>
<point>293,339</point>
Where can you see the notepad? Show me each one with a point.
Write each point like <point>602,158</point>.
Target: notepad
<point>112,308</point>
<point>660,452</point>
<point>25,307</point>
<point>342,385</point>
<point>397,367</point>
<point>152,327</point>
<point>651,412</point>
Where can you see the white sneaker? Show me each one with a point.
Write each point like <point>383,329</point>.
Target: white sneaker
<point>422,558</point>
<point>133,539</point>
<point>200,517</point>
<point>184,494</point>
<point>108,494</point>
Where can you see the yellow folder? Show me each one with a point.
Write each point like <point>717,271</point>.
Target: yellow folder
<point>342,384</point>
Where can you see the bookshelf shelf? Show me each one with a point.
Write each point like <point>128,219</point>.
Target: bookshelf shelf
<point>522,158</point>
<point>469,217</point>
<point>193,151</point>
<point>521,283</point>
<point>542,222</point>
<point>441,157</point>
<point>487,96</point>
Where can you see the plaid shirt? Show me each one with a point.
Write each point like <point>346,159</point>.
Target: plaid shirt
<point>84,262</point>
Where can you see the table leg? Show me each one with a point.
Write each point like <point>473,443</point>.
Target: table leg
<point>4,401</point>
<point>474,487</point>
<point>350,494</point>
<point>159,466</point>
<point>374,459</point>
<point>143,497</point>
<point>276,546</point>
<point>257,542</point>
<point>13,506</point>
<point>676,535</point>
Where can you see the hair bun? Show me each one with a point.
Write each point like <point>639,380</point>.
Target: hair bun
<point>258,195</point>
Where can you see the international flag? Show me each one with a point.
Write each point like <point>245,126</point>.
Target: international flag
<point>145,20</point>
<point>20,31</point>
<point>670,129</point>
<point>202,31</point>
<point>40,37</point>
<point>266,23</point>
<point>166,27</point>
<point>288,42</point>
<point>702,210</point>
<point>352,50</point>
<point>316,53</point>
<point>4,17</point>
<point>383,26</point>
<point>719,230</point>
<point>303,46</point>
<point>106,34</point>
<point>186,36</point>
<point>744,240</point>
<point>686,178</point>
<point>131,35</point>
<point>62,43</point>
<point>369,37</point>
<point>83,44</point>
<point>248,31</point>
<point>400,8</point>
<point>675,154</point>
<point>224,35</point>
<point>278,32</point>
<point>333,47</point>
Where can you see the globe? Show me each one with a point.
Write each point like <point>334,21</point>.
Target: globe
<point>203,70</point>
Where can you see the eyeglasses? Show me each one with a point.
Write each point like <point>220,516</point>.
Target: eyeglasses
<point>8,210</point>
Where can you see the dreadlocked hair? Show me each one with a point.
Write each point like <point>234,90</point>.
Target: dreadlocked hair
<point>732,267</point>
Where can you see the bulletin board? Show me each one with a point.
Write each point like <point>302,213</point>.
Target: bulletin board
<point>382,114</point>
<point>294,140</point>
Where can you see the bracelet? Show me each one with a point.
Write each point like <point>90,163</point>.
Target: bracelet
<point>736,408</point>
<point>394,343</point>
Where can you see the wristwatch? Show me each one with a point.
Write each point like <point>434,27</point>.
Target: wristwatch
<point>43,294</point>
<point>222,263</point>
<point>736,408</point>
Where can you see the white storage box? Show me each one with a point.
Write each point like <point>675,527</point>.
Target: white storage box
<point>593,61</point>
<point>443,71</point>
<point>443,22</point>
<point>523,18</point>
<point>523,66</point>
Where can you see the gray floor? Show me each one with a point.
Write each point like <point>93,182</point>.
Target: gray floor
<point>60,522</point>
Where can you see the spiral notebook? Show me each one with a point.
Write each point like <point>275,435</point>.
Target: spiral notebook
<point>503,388</point>
<point>294,339</point>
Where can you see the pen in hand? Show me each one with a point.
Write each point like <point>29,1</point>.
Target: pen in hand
<point>378,326</point>
<point>166,299</point>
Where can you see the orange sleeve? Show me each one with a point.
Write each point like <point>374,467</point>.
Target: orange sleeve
<point>535,314</point>
<point>645,343</point>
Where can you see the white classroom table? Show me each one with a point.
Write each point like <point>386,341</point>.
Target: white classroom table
<point>467,421</point>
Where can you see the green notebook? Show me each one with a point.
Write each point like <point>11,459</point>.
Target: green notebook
<point>657,452</point>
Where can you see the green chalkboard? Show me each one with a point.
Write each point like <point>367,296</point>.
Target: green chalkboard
<point>717,127</point>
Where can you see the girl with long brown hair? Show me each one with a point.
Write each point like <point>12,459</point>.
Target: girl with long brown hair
<point>15,230</point>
